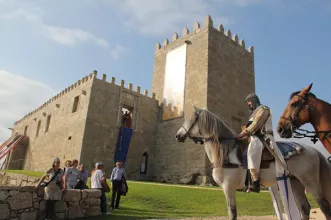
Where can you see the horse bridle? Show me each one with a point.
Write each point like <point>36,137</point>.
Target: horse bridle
<point>293,119</point>
<point>294,124</point>
<point>195,139</point>
<point>201,140</point>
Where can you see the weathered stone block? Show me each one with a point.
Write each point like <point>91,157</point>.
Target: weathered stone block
<point>29,189</point>
<point>73,195</point>
<point>20,201</point>
<point>91,201</point>
<point>93,193</point>
<point>60,206</point>
<point>36,205</point>
<point>29,216</point>
<point>13,193</point>
<point>4,211</point>
<point>3,195</point>
<point>13,182</point>
<point>75,212</point>
<point>13,213</point>
<point>84,194</point>
<point>189,178</point>
<point>93,211</point>
<point>14,188</point>
<point>33,179</point>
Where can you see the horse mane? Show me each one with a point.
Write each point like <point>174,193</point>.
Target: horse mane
<point>297,92</point>
<point>215,127</point>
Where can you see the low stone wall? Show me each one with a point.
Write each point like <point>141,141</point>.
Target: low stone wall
<point>13,179</point>
<point>25,202</point>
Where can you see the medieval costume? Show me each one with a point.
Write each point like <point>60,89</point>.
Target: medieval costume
<point>259,129</point>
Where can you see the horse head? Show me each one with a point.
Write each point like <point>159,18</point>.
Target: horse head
<point>296,113</point>
<point>190,128</point>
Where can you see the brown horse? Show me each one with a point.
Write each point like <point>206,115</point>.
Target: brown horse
<point>304,108</point>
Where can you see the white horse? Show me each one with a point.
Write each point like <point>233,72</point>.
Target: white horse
<point>309,169</point>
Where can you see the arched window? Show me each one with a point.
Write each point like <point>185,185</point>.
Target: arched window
<point>144,164</point>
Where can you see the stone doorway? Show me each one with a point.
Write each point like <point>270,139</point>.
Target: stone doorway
<point>127,116</point>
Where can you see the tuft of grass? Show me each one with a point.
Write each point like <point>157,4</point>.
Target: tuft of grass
<point>148,200</point>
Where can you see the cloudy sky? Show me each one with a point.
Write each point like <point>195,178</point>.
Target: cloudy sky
<point>47,45</point>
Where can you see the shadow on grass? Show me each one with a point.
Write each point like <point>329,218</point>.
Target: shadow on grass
<point>126,213</point>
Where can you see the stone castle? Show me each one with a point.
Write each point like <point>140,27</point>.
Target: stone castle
<point>83,121</point>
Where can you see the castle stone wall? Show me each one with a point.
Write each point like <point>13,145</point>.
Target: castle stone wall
<point>17,155</point>
<point>219,75</point>
<point>104,120</point>
<point>66,129</point>
<point>230,76</point>
<point>173,160</point>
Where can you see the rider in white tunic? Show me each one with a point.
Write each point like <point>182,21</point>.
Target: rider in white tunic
<point>259,126</point>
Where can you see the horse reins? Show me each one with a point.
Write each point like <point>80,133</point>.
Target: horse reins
<point>293,121</point>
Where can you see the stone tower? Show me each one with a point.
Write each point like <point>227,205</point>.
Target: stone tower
<point>208,68</point>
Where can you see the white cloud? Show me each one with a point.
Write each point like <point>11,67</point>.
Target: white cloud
<point>62,35</point>
<point>22,13</point>
<point>117,51</point>
<point>18,96</point>
<point>158,17</point>
<point>72,37</point>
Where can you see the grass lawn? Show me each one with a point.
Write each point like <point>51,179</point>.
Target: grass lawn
<point>161,201</point>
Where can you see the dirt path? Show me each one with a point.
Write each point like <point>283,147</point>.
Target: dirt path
<point>315,214</point>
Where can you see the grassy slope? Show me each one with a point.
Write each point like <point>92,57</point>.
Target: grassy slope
<point>161,201</point>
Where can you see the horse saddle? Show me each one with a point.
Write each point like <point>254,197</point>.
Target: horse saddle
<point>287,149</point>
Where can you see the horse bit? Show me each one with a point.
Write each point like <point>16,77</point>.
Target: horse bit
<point>294,124</point>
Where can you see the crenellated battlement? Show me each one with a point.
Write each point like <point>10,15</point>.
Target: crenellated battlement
<point>70,88</point>
<point>208,23</point>
<point>79,83</point>
<point>129,87</point>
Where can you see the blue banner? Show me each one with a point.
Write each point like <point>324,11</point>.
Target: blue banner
<point>123,144</point>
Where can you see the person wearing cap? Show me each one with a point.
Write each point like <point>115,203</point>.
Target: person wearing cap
<point>258,128</point>
<point>97,176</point>
<point>117,177</point>
<point>53,188</point>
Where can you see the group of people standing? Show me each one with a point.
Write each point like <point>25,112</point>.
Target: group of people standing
<point>119,185</point>
<point>75,177</point>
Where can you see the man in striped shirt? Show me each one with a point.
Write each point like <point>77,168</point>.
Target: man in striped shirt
<point>117,176</point>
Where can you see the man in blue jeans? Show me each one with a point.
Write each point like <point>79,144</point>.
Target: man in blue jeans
<point>116,177</point>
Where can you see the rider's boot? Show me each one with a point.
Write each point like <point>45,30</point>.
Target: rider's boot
<point>256,186</point>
